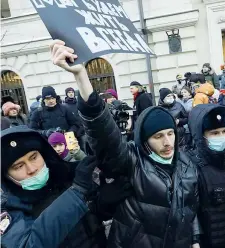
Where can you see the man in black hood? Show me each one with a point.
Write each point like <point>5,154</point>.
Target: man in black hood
<point>53,115</point>
<point>207,126</point>
<point>71,104</point>
<point>162,210</point>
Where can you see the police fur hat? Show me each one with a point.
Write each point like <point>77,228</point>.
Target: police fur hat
<point>214,119</point>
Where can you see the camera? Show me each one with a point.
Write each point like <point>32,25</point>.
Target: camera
<point>119,112</point>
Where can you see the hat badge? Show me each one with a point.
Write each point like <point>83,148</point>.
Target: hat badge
<point>219,117</point>
<point>13,143</point>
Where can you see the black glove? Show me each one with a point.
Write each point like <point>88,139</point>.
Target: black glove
<point>83,175</point>
<point>59,130</point>
<point>111,195</point>
<point>47,133</point>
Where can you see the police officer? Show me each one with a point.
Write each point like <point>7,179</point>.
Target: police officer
<point>207,125</point>
<point>42,209</point>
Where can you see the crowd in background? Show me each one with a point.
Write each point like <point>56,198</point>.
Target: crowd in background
<point>125,141</point>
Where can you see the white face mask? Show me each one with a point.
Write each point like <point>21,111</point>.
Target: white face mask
<point>205,69</point>
<point>169,100</point>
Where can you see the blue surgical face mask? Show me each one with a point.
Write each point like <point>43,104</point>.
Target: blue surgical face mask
<point>36,182</point>
<point>216,143</point>
<point>159,159</point>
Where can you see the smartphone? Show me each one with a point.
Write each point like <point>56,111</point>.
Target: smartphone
<point>71,141</point>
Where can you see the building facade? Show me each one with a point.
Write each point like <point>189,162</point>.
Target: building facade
<point>200,25</point>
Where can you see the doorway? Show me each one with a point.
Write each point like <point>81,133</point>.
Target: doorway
<point>101,75</point>
<point>12,86</point>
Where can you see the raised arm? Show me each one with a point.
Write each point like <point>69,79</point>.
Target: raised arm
<point>104,137</point>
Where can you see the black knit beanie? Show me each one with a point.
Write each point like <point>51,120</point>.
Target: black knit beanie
<point>48,91</point>
<point>155,121</point>
<point>164,92</point>
<point>214,119</point>
<point>135,83</point>
<point>69,89</point>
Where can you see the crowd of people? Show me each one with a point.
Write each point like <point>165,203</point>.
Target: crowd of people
<point>141,176</point>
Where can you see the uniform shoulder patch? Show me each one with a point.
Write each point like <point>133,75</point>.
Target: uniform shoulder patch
<point>5,222</point>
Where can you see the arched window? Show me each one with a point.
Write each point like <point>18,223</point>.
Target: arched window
<point>12,85</point>
<point>101,74</point>
<point>5,11</point>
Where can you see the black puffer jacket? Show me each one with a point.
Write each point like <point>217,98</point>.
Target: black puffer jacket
<point>211,177</point>
<point>161,213</point>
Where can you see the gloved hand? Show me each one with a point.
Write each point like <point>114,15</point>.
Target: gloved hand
<point>59,130</point>
<point>83,175</point>
<point>47,133</point>
<point>111,195</point>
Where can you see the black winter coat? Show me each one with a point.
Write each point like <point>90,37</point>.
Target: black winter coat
<point>71,104</point>
<point>161,213</point>
<point>211,179</point>
<point>59,116</point>
<point>143,101</point>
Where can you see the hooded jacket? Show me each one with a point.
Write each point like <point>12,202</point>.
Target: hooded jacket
<point>211,176</point>
<point>162,211</point>
<point>55,216</point>
<point>202,94</point>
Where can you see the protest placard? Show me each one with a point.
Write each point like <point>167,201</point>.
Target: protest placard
<point>92,28</point>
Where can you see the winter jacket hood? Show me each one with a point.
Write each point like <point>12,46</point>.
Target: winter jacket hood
<point>206,89</point>
<point>138,130</point>
<point>196,120</point>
